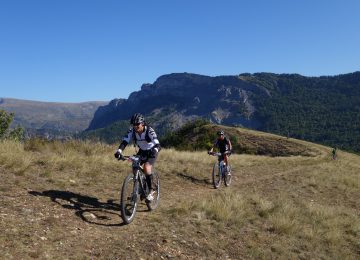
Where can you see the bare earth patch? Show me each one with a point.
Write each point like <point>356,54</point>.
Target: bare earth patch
<point>61,201</point>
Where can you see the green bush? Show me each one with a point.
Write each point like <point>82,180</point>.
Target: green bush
<point>6,119</point>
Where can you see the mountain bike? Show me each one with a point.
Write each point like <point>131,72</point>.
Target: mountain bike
<point>135,187</point>
<point>220,172</point>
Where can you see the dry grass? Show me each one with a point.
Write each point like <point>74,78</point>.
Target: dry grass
<point>60,200</point>
<point>13,157</point>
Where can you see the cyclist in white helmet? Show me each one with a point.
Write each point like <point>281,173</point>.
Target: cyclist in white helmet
<point>146,140</point>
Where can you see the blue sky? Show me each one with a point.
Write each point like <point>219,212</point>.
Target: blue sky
<point>82,50</point>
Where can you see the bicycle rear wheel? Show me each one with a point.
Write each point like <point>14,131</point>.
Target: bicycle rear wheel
<point>227,177</point>
<point>129,198</point>
<point>216,176</point>
<point>156,187</point>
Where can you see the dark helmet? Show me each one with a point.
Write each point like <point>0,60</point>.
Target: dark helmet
<point>137,119</point>
<point>220,132</point>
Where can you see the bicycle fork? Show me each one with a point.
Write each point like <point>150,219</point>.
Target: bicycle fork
<point>136,186</point>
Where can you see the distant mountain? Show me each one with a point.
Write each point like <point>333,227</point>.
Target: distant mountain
<point>175,98</point>
<point>319,109</point>
<point>50,118</point>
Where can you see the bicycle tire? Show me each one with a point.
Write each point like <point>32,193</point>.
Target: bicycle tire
<point>216,176</point>
<point>156,187</point>
<point>227,177</point>
<point>129,199</point>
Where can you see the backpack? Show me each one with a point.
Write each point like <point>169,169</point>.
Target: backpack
<point>147,137</point>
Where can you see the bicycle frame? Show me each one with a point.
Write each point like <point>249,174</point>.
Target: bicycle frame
<point>131,190</point>
<point>221,163</point>
<point>221,170</point>
<point>139,175</point>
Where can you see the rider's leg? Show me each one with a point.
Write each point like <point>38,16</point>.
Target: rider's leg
<point>226,159</point>
<point>148,174</point>
<point>148,168</point>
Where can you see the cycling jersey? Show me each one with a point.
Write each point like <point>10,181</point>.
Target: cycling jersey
<point>145,141</point>
<point>223,145</point>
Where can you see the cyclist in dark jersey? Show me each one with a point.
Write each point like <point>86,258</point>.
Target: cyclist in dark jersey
<point>224,145</point>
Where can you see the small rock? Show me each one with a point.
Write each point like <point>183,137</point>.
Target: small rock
<point>43,238</point>
<point>89,215</point>
<point>27,210</point>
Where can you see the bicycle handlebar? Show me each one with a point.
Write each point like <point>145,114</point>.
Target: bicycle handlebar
<point>218,154</point>
<point>214,154</point>
<point>132,158</point>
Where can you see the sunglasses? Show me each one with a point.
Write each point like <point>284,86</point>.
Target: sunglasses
<point>137,124</point>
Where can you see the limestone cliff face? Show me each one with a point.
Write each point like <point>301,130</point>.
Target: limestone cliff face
<point>107,114</point>
<point>223,99</point>
<point>318,109</point>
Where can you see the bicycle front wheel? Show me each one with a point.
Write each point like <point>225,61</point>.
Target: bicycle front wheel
<point>129,198</point>
<point>156,187</point>
<point>216,176</point>
<point>227,177</point>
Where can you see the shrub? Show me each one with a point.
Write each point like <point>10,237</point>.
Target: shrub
<point>6,119</point>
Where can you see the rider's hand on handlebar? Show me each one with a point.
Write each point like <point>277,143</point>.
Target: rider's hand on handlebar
<point>118,154</point>
<point>153,152</point>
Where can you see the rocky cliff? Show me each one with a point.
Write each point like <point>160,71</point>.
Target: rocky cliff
<point>322,109</point>
<point>175,98</point>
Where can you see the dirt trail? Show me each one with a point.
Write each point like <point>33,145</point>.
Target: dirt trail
<point>47,218</point>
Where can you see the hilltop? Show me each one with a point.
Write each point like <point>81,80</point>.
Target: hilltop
<point>200,135</point>
<point>61,200</point>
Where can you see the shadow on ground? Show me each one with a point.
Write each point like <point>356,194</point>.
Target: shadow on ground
<point>194,179</point>
<point>89,209</point>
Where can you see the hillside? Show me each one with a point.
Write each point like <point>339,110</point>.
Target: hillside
<point>200,135</point>
<point>319,109</point>
<point>49,117</point>
<point>61,200</point>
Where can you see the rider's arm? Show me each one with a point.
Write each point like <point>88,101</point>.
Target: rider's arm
<point>230,146</point>
<point>154,139</point>
<point>214,145</point>
<point>126,139</point>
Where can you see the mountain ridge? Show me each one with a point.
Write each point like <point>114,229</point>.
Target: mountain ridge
<point>50,118</point>
<point>321,109</point>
